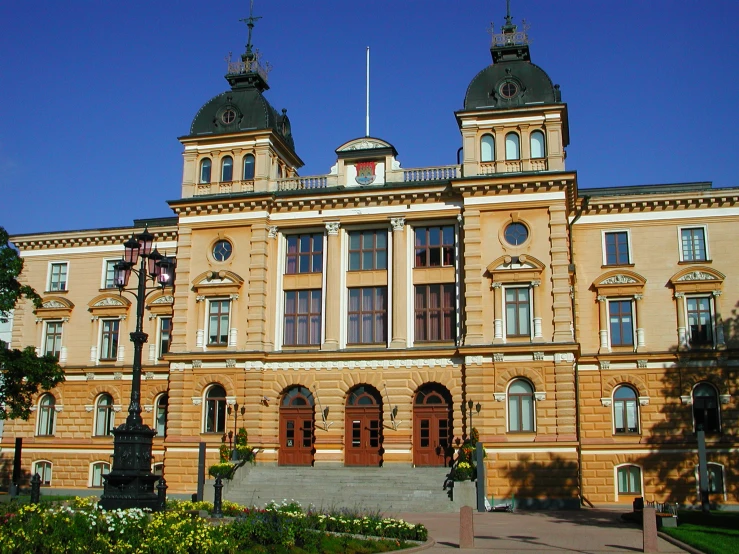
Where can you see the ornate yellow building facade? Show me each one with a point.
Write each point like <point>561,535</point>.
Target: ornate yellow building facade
<point>351,318</point>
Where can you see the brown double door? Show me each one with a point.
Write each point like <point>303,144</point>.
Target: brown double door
<point>431,435</point>
<point>363,441</point>
<point>296,436</point>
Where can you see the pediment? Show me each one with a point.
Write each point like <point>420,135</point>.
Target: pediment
<point>619,281</point>
<point>217,282</point>
<point>364,143</point>
<point>54,306</point>
<point>697,279</point>
<point>109,304</point>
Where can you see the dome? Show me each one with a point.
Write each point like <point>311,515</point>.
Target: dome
<point>510,84</point>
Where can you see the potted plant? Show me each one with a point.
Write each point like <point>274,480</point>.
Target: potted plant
<point>224,470</point>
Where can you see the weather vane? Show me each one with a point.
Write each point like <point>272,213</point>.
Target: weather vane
<point>250,23</point>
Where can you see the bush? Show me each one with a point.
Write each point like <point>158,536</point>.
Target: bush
<point>223,470</point>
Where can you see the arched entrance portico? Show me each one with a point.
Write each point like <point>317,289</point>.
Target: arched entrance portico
<point>363,427</point>
<point>432,426</point>
<point>297,413</point>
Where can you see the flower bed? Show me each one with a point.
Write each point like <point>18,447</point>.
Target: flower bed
<point>82,526</point>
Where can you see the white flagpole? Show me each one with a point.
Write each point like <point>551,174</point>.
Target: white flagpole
<point>366,133</point>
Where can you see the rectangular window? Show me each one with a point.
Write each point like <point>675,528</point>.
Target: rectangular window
<point>58,277</point>
<point>165,330</point>
<point>367,250</point>
<point>435,313</point>
<point>621,322</point>
<point>629,480</point>
<point>367,315</point>
<point>304,254</point>
<point>435,246</point>
<point>518,312</point>
<point>97,473</point>
<point>617,248</point>
<point>218,312</point>
<point>700,321</point>
<point>108,282</point>
<point>53,339</point>
<point>109,342</point>
<point>302,317</point>
<point>44,471</point>
<point>693,242</point>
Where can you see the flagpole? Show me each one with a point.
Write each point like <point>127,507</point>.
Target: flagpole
<point>366,132</point>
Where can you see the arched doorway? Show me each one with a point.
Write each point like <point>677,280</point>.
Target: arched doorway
<point>432,426</point>
<point>363,427</point>
<point>296,427</point>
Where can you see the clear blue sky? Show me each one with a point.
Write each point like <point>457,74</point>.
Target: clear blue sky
<point>93,94</point>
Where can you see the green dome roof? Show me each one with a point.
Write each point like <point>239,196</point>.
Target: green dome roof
<point>510,84</point>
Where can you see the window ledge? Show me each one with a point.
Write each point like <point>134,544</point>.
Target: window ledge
<point>65,291</point>
<point>611,266</point>
<point>690,262</point>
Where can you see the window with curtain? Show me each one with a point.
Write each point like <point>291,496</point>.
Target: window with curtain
<point>215,409</point>
<point>218,316</point>
<point>104,415</point>
<point>700,320</point>
<point>110,274</point>
<point>302,317</point>
<point>43,468</point>
<point>367,315</point>
<point>625,410</point>
<point>706,409</point>
<point>621,322</point>
<point>512,147</point>
<point>518,311</point>
<point>617,248</point>
<point>46,415</point>
<point>98,470</point>
<point>53,339</point>
<point>205,166</point>
<point>367,250</point>
<point>109,339</point>
<point>693,242</point>
<point>487,148</point>
<point>161,414</point>
<point>165,330</point>
<point>435,246</point>
<point>435,312</point>
<point>248,167</point>
<point>227,169</point>
<point>537,145</point>
<point>304,254</point>
<point>629,479</point>
<point>58,277</point>
<point>520,407</point>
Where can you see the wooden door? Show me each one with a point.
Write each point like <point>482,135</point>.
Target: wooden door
<point>296,437</point>
<point>363,441</point>
<point>431,435</point>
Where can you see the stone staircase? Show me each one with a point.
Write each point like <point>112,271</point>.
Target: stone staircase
<point>390,489</point>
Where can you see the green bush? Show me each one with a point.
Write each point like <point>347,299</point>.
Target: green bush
<point>223,470</point>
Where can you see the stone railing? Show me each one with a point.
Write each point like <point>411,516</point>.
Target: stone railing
<point>303,183</point>
<point>539,164</point>
<point>431,173</point>
<point>226,187</point>
<point>513,166</point>
<point>486,168</point>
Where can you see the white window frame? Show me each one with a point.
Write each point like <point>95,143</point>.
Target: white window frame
<point>206,338</point>
<point>615,480</point>
<point>680,242</point>
<point>159,333</point>
<point>723,492</point>
<point>204,416</point>
<point>104,280</point>
<point>507,407</point>
<point>91,476</point>
<point>518,146</point>
<point>482,146</point>
<point>200,171</point>
<point>156,414</point>
<point>712,309</point>
<point>34,471</point>
<point>504,315</point>
<point>46,332</point>
<point>115,358</point>
<point>613,410</point>
<point>111,423</point>
<point>39,412</point>
<point>543,144</point>
<point>718,406</point>
<point>632,300</point>
<point>50,273</point>
<point>628,243</point>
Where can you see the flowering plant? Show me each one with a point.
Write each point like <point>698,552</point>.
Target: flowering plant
<point>224,470</point>
<point>463,471</point>
<point>224,452</point>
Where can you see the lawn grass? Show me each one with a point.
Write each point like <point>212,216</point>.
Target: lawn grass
<point>714,533</point>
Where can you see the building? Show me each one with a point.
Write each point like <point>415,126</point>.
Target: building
<point>353,313</point>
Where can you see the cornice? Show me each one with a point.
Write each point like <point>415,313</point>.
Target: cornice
<point>648,203</point>
<point>509,184</point>
<point>95,237</point>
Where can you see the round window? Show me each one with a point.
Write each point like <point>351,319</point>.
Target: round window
<point>516,234</point>
<point>228,116</point>
<point>222,251</point>
<point>509,89</point>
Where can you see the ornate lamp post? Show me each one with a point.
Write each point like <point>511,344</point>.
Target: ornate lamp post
<point>130,484</point>
<point>470,405</point>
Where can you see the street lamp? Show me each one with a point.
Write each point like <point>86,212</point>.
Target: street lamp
<point>469,406</point>
<point>130,483</point>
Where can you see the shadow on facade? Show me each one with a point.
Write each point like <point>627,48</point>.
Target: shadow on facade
<point>558,477</point>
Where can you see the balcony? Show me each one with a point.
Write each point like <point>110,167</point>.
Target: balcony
<point>439,173</point>
<point>226,187</point>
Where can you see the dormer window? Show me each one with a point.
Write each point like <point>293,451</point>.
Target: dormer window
<point>227,169</point>
<point>512,147</point>
<point>205,171</point>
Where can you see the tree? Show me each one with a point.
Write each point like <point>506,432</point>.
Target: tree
<point>22,372</point>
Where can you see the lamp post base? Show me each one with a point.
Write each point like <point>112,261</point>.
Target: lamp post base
<point>130,484</point>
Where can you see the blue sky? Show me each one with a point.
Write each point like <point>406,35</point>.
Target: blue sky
<point>93,94</point>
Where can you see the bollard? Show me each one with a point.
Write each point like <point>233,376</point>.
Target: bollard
<point>217,498</point>
<point>649,528</point>
<point>162,494</point>
<point>466,528</point>
<point>35,488</point>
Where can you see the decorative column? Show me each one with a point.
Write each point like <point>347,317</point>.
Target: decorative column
<point>717,319</point>
<point>498,301</point>
<point>536,285</point>
<point>333,286</point>
<point>682,338</point>
<point>603,321</point>
<point>259,317</point>
<point>638,308</point>
<point>400,285</point>
<point>200,335</point>
<point>233,332</point>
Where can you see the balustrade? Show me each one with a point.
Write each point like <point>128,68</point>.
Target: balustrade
<point>430,173</point>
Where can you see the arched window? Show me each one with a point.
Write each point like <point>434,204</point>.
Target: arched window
<point>104,415</point>
<point>46,413</point>
<point>227,169</point>
<point>520,406</point>
<point>629,479</point>
<point>625,410</point>
<point>705,408</point>
<point>248,167</point>
<point>43,468</point>
<point>215,409</point>
<point>205,171</point>
<point>487,148</point>
<point>297,397</point>
<point>279,172</point>
<point>537,145</point>
<point>96,473</point>
<point>161,414</point>
<point>512,147</point>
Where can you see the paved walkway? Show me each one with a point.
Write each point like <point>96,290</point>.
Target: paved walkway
<point>586,531</point>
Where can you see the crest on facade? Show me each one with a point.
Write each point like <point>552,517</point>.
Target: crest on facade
<point>366,173</point>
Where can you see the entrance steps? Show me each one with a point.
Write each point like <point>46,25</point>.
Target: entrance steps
<point>390,489</point>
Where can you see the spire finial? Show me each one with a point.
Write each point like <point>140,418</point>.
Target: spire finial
<point>250,23</point>
<point>508,12</point>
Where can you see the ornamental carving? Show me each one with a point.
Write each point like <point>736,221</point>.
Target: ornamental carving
<point>230,363</point>
<point>118,375</point>
<point>538,356</point>
<point>108,301</point>
<point>271,231</point>
<point>364,145</point>
<point>148,375</point>
<point>332,227</point>
<point>606,402</point>
<point>398,223</point>
<point>197,363</point>
<point>196,401</point>
<point>53,304</point>
<point>168,299</point>
<point>618,280</point>
<point>698,276</point>
<point>499,396</point>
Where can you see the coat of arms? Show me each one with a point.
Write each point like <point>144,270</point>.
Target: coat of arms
<point>366,173</point>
